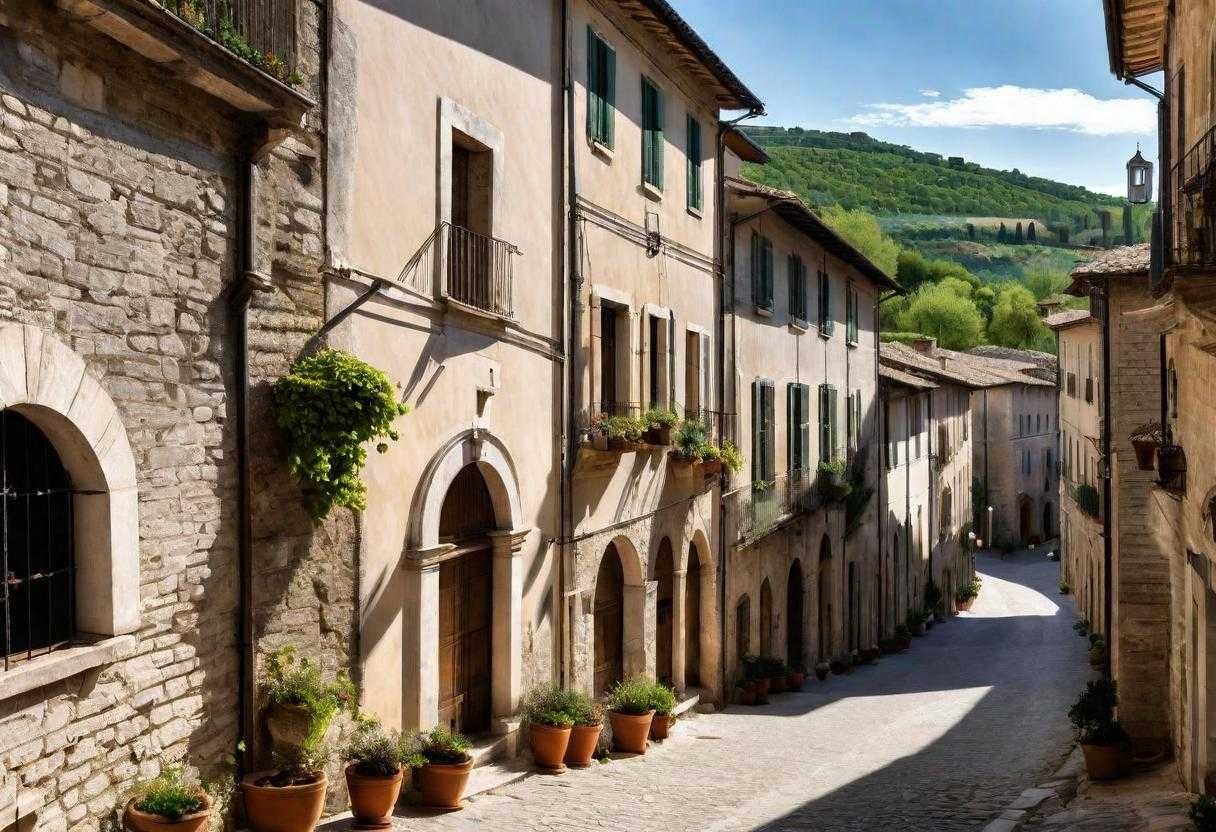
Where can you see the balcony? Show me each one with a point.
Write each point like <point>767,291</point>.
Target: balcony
<point>1171,468</point>
<point>1193,180</point>
<point>472,271</point>
<point>240,51</point>
<point>761,506</point>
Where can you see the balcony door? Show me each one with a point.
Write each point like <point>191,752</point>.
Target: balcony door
<point>470,242</point>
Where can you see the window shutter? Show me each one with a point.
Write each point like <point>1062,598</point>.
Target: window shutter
<point>791,428</point>
<point>768,273</point>
<point>657,139</point>
<point>707,401</point>
<point>608,84</point>
<point>791,278</point>
<point>694,163</point>
<point>804,425</point>
<point>757,433</point>
<point>593,85</point>
<point>825,428</point>
<point>757,268</point>
<point>770,448</point>
<point>832,421</point>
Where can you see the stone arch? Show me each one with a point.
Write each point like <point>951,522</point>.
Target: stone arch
<point>475,446</point>
<point>666,633</point>
<point>701,647</point>
<point>46,382</point>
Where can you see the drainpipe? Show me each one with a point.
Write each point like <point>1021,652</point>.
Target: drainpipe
<point>1108,545</point>
<point>240,293</point>
<point>879,300</point>
<point>571,297</point>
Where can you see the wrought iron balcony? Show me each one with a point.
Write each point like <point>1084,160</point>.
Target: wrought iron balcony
<point>262,32</point>
<point>473,270</point>
<point>1193,182</point>
<point>761,506</point>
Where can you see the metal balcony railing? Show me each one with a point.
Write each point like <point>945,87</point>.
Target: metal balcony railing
<point>760,506</point>
<point>262,32</point>
<point>472,269</point>
<point>718,425</point>
<point>1193,181</point>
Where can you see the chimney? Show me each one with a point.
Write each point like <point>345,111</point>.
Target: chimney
<point>926,346</point>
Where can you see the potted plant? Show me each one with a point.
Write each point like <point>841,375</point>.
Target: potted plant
<point>822,669</point>
<point>596,435</point>
<point>663,702</point>
<point>689,437</point>
<point>1103,741</point>
<point>444,774</point>
<point>903,637</point>
<point>1097,653</point>
<point>550,723</point>
<point>794,679</point>
<point>290,797</point>
<point>732,458</point>
<point>659,423</point>
<point>916,621</point>
<point>585,733</point>
<point>167,804</point>
<point>630,711</point>
<point>1081,627</point>
<point>711,458</point>
<point>623,432</point>
<point>1065,588</point>
<point>377,762</point>
<point>745,694</point>
<point>775,671</point>
<point>1203,813</point>
<point>300,703</point>
<point>1145,440</point>
<point>832,480</point>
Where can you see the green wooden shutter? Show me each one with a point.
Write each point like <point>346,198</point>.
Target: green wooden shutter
<point>608,85</point>
<point>757,266</point>
<point>804,425</point>
<point>825,427</point>
<point>791,428</point>
<point>770,445</point>
<point>658,141</point>
<point>832,420</point>
<point>757,433</point>
<point>593,85</point>
<point>768,273</point>
<point>693,152</point>
<point>652,134</point>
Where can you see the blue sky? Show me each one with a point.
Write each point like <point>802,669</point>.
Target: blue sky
<point>1015,84</point>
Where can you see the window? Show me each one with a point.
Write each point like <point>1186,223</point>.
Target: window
<point>601,89</point>
<point>657,360</point>
<point>614,359</point>
<point>693,154</point>
<point>696,373</point>
<point>851,315</point>
<point>854,420</point>
<point>762,431</point>
<point>798,426</point>
<point>762,272</point>
<point>827,423</point>
<point>652,135</point>
<point>797,281</point>
<point>826,324</point>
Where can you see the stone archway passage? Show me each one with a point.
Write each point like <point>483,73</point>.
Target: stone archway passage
<point>1048,520</point>
<point>823,597</point>
<point>794,617</point>
<point>766,618</point>
<point>664,573</point>
<point>1024,521</point>
<point>692,619</point>
<point>743,630</point>
<point>609,622</point>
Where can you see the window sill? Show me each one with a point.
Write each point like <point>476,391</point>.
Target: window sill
<point>602,150</point>
<point>853,344</point>
<point>652,192</point>
<point>825,334</point>
<point>764,312</point>
<point>62,664</point>
<point>696,212</point>
<point>798,325</point>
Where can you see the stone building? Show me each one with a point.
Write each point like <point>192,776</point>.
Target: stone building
<point>801,346</point>
<point>928,458</point>
<point>1081,462</point>
<point>160,234</point>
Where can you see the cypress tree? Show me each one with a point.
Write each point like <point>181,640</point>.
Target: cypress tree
<point>1002,234</point>
<point>1018,238</point>
<point>1031,236</point>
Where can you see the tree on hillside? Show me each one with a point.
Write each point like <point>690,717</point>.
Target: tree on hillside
<point>1002,235</point>
<point>1018,237</point>
<point>1031,236</point>
<point>862,231</point>
<point>939,311</point>
<point>1015,319</point>
<point>985,299</point>
<point>959,287</point>
<point>1044,283</point>
<point>914,270</point>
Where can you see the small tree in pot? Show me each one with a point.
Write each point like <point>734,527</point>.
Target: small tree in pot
<point>630,711</point>
<point>377,762</point>
<point>550,721</point>
<point>444,774</point>
<point>663,701</point>
<point>167,804</point>
<point>1103,741</point>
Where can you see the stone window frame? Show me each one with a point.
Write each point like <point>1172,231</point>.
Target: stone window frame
<point>45,381</point>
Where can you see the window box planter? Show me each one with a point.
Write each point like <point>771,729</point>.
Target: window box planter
<point>1171,468</point>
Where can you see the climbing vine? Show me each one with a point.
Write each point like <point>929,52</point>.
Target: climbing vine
<point>330,405</point>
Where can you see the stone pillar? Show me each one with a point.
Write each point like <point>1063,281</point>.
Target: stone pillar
<point>506,651</point>
<point>678,629</point>
<point>420,641</point>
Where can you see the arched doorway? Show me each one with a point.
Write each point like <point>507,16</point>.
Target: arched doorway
<point>609,622</point>
<point>1024,521</point>
<point>766,618</point>
<point>1048,520</point>
<point>38,543</point>
<point>824,599</point>
<point>465,594</point>
<point>743,629</point>
<point>692,619</point>
<point>793,617</point>
<point>664,573</point>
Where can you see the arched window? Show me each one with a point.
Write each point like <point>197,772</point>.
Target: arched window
<point>37,593</point>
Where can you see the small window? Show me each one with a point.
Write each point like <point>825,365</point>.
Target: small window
<point>827,423</point>
<point>797,285</point>
<point>762,272</point>
<point>601,89</point>
<point>693,152</point>
<point>652,134</point>
<point>826,324</point>
<point>852,324</point>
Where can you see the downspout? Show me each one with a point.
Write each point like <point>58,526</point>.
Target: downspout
<point>569,324</point>
<point>882,455</point>
<point>987,494</point>
<point>1108,544</point>
<point>240,294</point>
<point>908,502</point>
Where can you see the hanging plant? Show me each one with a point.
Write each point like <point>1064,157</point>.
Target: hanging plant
<point>330,405</point>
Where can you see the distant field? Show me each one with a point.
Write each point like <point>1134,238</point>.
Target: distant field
<point>995,263</point>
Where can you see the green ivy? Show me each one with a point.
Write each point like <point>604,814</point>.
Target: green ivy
<point>330,405</point>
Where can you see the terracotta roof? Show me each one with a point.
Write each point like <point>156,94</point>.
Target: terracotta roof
<point>790,207</point>
<point>1039,359</point>
<point>1123,262</point>
<point>1135,36</point>
<point>1067,317</point>
<point>963,368</point>
<point>742,146</point>
<point>906,379</point>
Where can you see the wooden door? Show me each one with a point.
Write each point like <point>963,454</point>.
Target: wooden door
<point>664,612</point>
<point>464,642</point>
<point>609,622</point>
<point>793,618</point>
<point>692,620</point>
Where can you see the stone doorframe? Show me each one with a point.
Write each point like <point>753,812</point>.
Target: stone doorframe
<point>421,561</point>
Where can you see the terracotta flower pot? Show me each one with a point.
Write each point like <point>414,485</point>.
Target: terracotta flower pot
<point>658,435</point>
<point>776,684</point>
<point>372,797</point>
<point>288,726</point>
<point>137,821</point>
<point>712,467</point>
<point>548,744</point>
<point>966,605</point>
<point>762,688</point>
<point>581,748</point>
<point>599,442</point>
<point>822,671</point>
<point>629,731</point>
<point>745,696</point>
<point>1104,762</point>
<point>794,681</point>
<point>1146,453</point>
<point>620,445</point>
<point>442,784</point>
<point>660,726</point>
<point>282,808</point>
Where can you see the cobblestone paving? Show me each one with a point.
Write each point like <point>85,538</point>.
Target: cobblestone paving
<point>940,738</point>
<point>1147,802</point>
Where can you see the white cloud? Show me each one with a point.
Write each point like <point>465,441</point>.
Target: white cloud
<point>1013,106</point>
<point>931,93</point>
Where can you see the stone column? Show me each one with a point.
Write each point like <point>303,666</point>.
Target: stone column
<point>506,650</point>
<point>420,641</point>
<point>678,629</point>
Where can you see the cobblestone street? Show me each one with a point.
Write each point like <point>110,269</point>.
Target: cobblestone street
<point>942,737</point>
